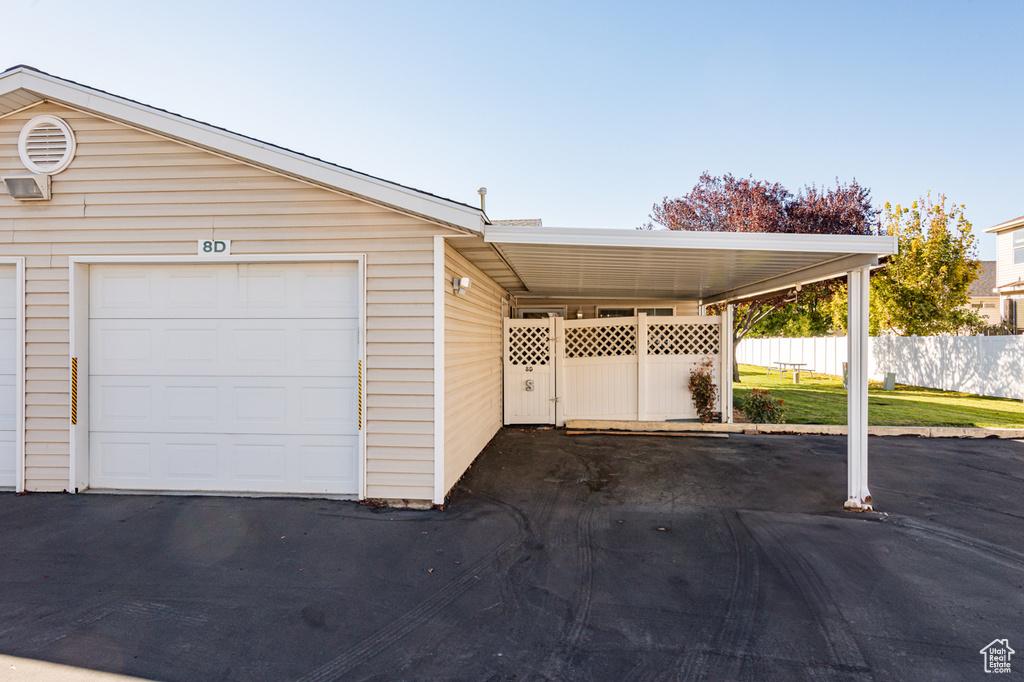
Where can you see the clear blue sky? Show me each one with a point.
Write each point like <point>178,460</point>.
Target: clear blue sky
<point>583,114</point>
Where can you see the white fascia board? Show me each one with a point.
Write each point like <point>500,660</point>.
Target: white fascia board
<point>1008,225</point>
<point>807,275</point>
<point>878,245</point>
<point>237,146</point>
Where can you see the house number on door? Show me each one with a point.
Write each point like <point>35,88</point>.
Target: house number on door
<point>214,247</point>
<point>529,384</point>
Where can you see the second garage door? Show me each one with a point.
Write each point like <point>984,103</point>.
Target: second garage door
<point>224,377</point>
<point>8,376</point>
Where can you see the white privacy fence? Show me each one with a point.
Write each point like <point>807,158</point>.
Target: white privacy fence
<point>985,365</point>
<point>633,368</point>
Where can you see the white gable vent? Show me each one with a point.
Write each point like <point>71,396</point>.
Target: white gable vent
<point>46,145</point>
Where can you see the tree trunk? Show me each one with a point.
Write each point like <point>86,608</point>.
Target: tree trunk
<point>735,362</point>
<point>754,314</point>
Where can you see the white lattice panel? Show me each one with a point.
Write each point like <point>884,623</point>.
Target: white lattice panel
<point>528,346</point>
<point>600,342</point>
<point>683,339</point>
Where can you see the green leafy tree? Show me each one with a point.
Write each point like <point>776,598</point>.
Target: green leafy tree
<point>802,317</point>
<point>922,290</point>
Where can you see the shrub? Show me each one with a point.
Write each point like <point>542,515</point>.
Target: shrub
<point>703,390</point>
<point>761,407</point>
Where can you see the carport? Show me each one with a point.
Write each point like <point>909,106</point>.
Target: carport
<point>707,267</point>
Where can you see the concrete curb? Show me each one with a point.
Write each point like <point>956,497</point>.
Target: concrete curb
<point>802,429</point>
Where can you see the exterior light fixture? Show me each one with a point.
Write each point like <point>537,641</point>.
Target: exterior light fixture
<point>460,285</point>
<point>28,187</point>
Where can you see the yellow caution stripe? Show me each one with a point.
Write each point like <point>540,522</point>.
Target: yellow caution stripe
<point>360,395</point>
<point>74,391</point>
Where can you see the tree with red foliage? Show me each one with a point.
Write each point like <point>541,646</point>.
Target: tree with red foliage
<point>731,204</point>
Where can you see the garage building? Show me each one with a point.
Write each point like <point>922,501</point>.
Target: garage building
<point>185,309</point>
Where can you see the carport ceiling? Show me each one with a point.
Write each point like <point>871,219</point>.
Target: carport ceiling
<point>708,266</point>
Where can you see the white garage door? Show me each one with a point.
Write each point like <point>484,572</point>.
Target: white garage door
<point>8,374</point>
<point>224,377</point>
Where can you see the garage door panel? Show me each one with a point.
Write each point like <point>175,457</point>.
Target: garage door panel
<point>8,373</point>
<point>240,291</point>
<point>225,378</point>
<point>272,405</point>
<point>275,347</point>
<point>8,344</point>
<point>8,459</point>
<point>8,405</point>
<point>308,464</point>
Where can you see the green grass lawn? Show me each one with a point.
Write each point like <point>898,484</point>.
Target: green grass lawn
<point>822,400</point>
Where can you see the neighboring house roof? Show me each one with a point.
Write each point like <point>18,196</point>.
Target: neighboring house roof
<point>985,283</point>
<point>520,222</point>
<point>1008,225</point>
<point>24,86</point>
<point>1012,287</point>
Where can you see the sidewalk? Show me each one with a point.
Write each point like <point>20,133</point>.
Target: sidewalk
<point>804,429</point>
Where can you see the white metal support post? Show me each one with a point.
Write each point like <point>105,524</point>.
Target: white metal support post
<point>858,496</point>
<point>728,357</point>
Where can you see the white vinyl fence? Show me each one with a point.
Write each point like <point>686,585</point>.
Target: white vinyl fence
<point>633,368</point>
<point>984,365</point>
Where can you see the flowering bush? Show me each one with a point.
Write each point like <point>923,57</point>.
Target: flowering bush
<point>703,390</point>
<point>761,407</point>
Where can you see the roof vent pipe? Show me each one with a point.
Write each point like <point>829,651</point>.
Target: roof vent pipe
<point>482,192</point>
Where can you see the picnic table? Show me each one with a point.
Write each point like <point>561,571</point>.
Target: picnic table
<point>781,367</point>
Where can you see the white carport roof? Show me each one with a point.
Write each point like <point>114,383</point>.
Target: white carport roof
<point>707,266</point>
<point>711,267</point>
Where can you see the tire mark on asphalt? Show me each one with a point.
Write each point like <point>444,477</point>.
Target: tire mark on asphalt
<point>508,586</point>
<point>998,553</point>
<point>842,646</point>
<point>972,465</point>
<point>67,628</point>
<point>108,609</point>
<point>947,500</point>
<point>737,618</point>
<point>376,643</point>
<point>532,522</point>
<point>580,601</point>
<point>160,611</point>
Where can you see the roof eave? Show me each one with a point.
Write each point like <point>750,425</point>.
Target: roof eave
<point>877,245</point>
<point>434,209</point>
<point>1008,225</point>
<point>815,273</point>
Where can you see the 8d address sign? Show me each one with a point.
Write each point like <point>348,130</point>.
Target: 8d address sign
<point>214,247</point>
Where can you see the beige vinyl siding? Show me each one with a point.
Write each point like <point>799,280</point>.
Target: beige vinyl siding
<point>131,192</point>
<point>1006,271</point>
<point>986,306</point>
<point>589,307</point>
<point>472,366</point>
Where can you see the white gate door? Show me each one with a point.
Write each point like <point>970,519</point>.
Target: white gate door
<point>529,351</point>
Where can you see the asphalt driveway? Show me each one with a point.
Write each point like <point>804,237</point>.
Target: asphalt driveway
<point>559,557</point>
